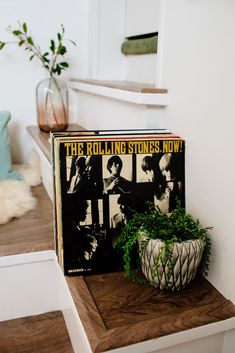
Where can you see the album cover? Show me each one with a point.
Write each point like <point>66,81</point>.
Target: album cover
<point>100,180</point>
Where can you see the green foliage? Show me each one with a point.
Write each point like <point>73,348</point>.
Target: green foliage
<point>51,60</point>
<point>178,226</point>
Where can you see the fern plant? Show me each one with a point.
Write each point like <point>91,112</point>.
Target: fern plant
<point>176,227</point>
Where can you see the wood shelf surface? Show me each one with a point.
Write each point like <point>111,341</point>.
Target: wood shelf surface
<point>110,306</point>
<point>132,92</point>
<point>45,333</point>
<point>124,86</point>
<point>43,138</point>
<point>31,232</point>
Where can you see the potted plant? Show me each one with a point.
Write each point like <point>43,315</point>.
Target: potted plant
<point>171,247</point>
<point>51,93</point>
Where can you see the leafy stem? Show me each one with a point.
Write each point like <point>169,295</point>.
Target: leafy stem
<point>51,59</point>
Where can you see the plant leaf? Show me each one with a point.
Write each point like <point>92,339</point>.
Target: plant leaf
<point>52,46</point>
<point>24,26</point>
<point>57,70</point>
<point>45,57</point>
<point>16,32</point>
<point>71,41</point>
<point>30,40</point>
<point>61,49</point>
<point>64,64</point>
<point>2,45</point>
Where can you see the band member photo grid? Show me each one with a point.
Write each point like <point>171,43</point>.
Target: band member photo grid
<point>101,194</point>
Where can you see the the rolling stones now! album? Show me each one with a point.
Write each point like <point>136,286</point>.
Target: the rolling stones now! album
<point>100,178</point>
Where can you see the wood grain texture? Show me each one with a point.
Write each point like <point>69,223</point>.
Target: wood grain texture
<point>125,86</point>
<point>45,333</point>
<point>31,232</point>
<point>42,138</point>
<point>110,306</point>
<point>87,309</point>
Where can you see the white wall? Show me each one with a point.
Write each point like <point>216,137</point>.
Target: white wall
<point>18,76</point>
<point>110,35</point>
<point>199,71</point>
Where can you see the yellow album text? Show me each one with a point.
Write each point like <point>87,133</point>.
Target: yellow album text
<point>93,148</point>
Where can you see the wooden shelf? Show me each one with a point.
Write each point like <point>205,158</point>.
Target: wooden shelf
<point>131,92</point>
<point>45,333</point>
<point>117,313</point>
<point>124,86</point>
<point>109,305</point>
<point>42,138</point>
<point>31,232</point>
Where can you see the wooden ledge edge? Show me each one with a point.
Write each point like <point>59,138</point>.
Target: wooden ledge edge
<point>86,308</point>
<point>124,85</point>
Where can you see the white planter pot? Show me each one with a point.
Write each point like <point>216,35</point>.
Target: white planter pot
<point>186,258</point>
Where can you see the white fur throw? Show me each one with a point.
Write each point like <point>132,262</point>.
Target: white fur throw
<point>16,198</point>
<point>31,171</point>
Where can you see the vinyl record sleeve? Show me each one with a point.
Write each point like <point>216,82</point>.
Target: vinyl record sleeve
<point>99,180</point>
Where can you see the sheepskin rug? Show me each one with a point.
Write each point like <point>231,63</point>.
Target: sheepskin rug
<point>16,198</point>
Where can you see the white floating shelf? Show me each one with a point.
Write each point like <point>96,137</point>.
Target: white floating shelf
<point>140,94</point>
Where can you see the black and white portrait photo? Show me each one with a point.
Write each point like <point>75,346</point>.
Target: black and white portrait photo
<point>117,174</point>
<point>84,176</point>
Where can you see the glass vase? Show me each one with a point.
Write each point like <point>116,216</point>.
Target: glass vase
<point>52,104</point>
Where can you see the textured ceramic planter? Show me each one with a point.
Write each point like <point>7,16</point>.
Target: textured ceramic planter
<point>178,273</point>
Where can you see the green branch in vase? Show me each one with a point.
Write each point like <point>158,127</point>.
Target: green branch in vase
<point>51,60</point>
